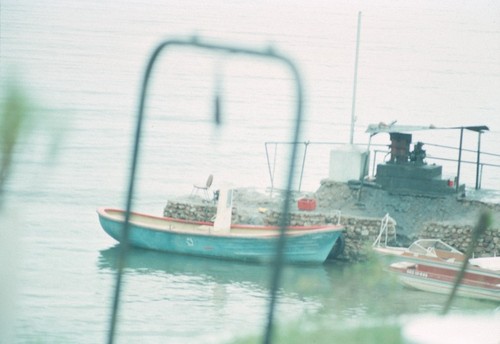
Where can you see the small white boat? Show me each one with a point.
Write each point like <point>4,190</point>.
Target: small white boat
<point>490,263</point>
<point>423,249</point>
<point>481,279</point>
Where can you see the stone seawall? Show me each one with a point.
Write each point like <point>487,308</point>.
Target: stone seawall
<point>359,232</point>
<point>190,211</point>
<point>448,218</point>
<point>410,212</point>
<point>459,236</point>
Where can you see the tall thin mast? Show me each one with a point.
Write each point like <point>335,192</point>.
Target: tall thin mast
<point>353,109</point>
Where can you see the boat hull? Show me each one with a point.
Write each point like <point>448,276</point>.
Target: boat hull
<point>439,278</point>
<point>420,253</point>
<point>250,243</point>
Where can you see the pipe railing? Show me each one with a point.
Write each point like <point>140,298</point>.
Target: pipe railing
<point>271,156</point>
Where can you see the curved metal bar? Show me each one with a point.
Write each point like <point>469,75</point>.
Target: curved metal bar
<point>484,222</point>
<point>278,264</point>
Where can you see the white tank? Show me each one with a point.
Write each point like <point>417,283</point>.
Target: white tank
<point>348,162</point>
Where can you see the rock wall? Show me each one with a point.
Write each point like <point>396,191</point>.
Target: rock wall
<point>459,236</point>
<point>359,232</point>
<point>410,212</point>
<point>200,211</point>
<point>190,211</point>
<point>360,235</point>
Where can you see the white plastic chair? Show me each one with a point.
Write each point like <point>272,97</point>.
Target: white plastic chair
<point>203,188</point>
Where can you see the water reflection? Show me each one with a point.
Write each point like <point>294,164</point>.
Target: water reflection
<point>367,289</point>
<point>207,298</point>
<point>343,289</point>
<point>297,279</point>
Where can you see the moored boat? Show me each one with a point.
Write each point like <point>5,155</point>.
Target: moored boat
<point>434,250</point>
<point>423,249</point>
<point>304,244</point>
<point>481,279</point>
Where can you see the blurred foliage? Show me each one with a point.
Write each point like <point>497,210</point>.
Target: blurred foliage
<point>324,334</point>
<point>365,284</point>
<point>14,121</point>
<point>485,221</point>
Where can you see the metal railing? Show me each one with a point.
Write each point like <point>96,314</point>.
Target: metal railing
<point>376,150</point>
<point>383,231</point>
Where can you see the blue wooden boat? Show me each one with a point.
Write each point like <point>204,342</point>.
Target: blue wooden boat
<point>304,244</point>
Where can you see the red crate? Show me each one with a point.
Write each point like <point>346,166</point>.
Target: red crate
<point>307,204</point>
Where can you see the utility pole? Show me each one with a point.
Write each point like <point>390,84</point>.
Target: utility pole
<point>353,108</point>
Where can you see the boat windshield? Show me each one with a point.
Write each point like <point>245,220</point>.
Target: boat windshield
<point>428,247</point>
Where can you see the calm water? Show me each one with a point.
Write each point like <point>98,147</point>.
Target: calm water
<point>81,64</point>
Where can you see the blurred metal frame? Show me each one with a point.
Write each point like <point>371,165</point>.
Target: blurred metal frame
<point>194,42</point>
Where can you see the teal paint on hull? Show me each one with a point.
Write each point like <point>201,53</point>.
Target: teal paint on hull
<point>307,248</point>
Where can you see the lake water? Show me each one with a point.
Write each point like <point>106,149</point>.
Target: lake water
<point>81,64</point>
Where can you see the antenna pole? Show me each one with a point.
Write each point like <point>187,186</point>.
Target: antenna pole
<point>353,108</point>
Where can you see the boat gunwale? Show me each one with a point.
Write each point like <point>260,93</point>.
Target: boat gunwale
<point>442,287</point>
<point>474,269</point>
<point>293,231</point>
<point>437,255</point>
